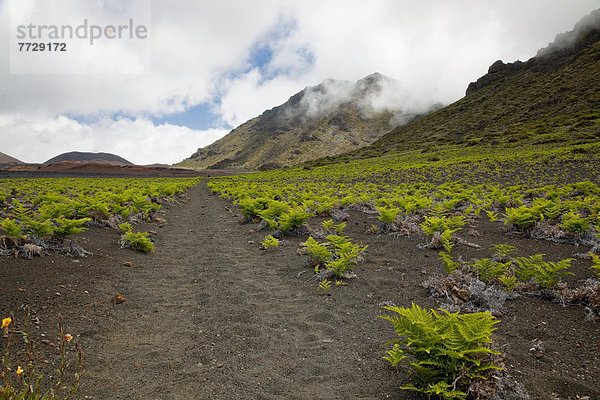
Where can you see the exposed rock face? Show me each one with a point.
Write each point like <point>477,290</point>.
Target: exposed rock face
<point>565,48</point>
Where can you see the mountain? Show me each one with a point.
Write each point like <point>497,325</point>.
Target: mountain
<point>6,159</point>
<point>552,98</point>
<point>77,156</point>
<point>327,119</point>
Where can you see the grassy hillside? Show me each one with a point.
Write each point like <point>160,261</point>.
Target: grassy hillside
<point>552,98</point>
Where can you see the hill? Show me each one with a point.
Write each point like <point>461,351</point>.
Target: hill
<point>77,156</point>
<point>552,98</point>
<point>327,119</point>
<point>6,159</point>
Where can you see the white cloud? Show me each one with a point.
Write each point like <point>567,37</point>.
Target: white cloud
<point>201,50</point>
<point>39,137</point>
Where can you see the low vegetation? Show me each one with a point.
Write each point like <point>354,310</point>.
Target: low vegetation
<point>445,353</point>
<point>48,211</point>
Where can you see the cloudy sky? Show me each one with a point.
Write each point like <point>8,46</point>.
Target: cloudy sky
<point>205,67</point>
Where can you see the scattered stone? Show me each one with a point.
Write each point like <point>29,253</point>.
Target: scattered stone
<point>118,299</point>
<point>474,232</point>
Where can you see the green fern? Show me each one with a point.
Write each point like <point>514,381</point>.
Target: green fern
<point>317,251</point>
<point>523,217</point>
<point>65,227</point>
<point>269,242</point>
<point>138,241</point>
<point>327,225</point>
<point>545,273</point>
<point>446,239</point>
<point>13,229</point>
<point>39,227</point>
<point>125,227</point>
<point>575,223</point>
<point>324,286</point>
<point>443,352</point>
<point>387,215</point>
<point>596,266</point>
<point>338,254</point>
<point>449,264</point>
<point>503,250</point>
<point>489,270</point>
<point>492,216</point>
<point>509,282</point>
<point>293,219</point>
<point>440,224</point>
<point>339,228</point>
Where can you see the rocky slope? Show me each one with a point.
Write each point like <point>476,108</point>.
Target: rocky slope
<point>6,159</point>
<point>323,120</point>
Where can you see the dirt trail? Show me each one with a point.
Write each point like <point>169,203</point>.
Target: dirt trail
<point>208,315</point>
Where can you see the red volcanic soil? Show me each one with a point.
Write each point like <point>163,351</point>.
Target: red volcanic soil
<point>120,169</point>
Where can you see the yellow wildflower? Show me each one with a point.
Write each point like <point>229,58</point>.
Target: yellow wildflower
<point>6,322</point>
<point>68,337</point>
<point>19,370</point>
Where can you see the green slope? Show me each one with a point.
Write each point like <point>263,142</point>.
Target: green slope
<point>552,98</point>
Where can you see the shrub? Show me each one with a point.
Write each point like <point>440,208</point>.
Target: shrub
<point>596,266</point>
<point>65,227</point>
<point>138,241</point>
<point>544,273</point>
<point>13,229</point>
<point>125,227</point>
<point>39,227</point>
<point>440,224</point>
<point>387,215</point>
<point>502,250</point>
<point>523,218</point>
<point>293,219</point>
<point>444,352</point>
<point>489,270</point>
<point>574,223</point>
<point>269,242</point>
<point>318,252</point>
<point>338,254</point>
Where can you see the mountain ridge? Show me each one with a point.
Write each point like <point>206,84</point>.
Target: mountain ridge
<point>6,159</point>
<point>329,118</point>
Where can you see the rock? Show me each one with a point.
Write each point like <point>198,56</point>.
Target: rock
<point>496,67</point>
<point>118,299</point>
